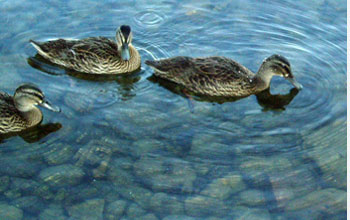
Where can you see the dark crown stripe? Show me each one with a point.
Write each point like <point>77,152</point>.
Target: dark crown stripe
<point>281,59</point>
<point>125,29</point>
<point>29,87</point>
<point>38,95</point>
<point>30,90</point>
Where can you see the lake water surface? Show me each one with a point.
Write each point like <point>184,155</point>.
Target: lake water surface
<point>131,147</point>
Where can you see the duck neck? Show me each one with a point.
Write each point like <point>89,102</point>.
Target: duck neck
<point>135,60</point>
<point>33,117</point>
<point>264,77</point>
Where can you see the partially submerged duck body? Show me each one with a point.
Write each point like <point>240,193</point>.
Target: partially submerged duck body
<point>20,112</point>
<point>94,55</point>
<point>220,76</point>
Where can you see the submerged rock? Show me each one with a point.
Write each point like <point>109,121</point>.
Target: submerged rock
<point>255,166</point>
<point>280,176</point>
<point>135,211</point>
<point>89,210</point>
<point>53,212</point>
<point>328,200</point>
<point>224,187</point>
<point>44,192</point>
<point>31,204</point>
<point>165,204</point>
<point>10,212</point>
<point>146,146</point>
<point>62,175</point>
<point>327,147</point>
<point>12,194</point>
<point>93,153</point>
<point>16,167</point>
<point>81,192</point>
<point>251,197</point>
<point>162,174</point>
<point>119,173</point>
<point>59,154</point>
<point>149,216</point>
<point>24,185</point>
<point>177,217</point>
<point>201,206</point>
<point>209,147</point>
<point>243,213</point>
<point>139,195</point>
<point>115,210</point>
<point>4,183</point>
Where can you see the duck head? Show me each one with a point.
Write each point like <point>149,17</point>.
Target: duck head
<point>28,96</point>
<point>279,66</point>
<point>124,38</point>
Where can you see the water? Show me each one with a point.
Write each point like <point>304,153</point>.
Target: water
<point>131,148</point>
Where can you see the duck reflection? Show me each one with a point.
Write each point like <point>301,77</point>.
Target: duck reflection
<point>33,134</point>
<point>126,81</point>
<point>275,102</point>
<point>265,99</point>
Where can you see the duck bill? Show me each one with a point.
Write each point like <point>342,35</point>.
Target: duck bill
<point>295,83</point>
<point>125,52</point>
<point>48,105</point>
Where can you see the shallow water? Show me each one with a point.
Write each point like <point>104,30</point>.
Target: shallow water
<point>132,148</point>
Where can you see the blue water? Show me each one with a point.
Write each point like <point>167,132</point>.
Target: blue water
<point>133,148</point>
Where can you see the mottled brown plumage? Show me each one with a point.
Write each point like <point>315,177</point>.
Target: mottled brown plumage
<point>20,112</point>
<point>95,55</point>
<point>220,76</point>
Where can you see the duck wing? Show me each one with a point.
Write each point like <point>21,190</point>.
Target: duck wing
<point>97,47</point>
<point>196,70</point>
<point>5,98</point>
<point>215,76</point>
<point>220,69</point>
<point>79,54</point>
<point>10,119</point>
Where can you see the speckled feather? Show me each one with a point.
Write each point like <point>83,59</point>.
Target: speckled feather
<point>98,55</point>
<point>214,76</point>
<point>10,118</point>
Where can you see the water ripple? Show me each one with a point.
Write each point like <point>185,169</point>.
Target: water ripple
<point>312,62</point>
<point>149,18</point>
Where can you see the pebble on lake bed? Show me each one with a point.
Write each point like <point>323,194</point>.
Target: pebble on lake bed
<point>115,210</point>
<point>89,210</point>
<point>139,195</point>
<point>165,175</point>
<point>251,197</point>
<point>135,211</point>
<point>53,212</point>
<point>327,147</point>
<point>165,204</point>
<point>59,154</point>
<point>329,200</point>
<point>247,213</point>
<point>10,212</point>
<point>224,187</point>
<point>62,175</point>
<point>201,206</point>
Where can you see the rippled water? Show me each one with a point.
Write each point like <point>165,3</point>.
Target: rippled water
<point>131,147</point>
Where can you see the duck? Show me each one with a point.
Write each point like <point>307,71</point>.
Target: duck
<point>93,55</point>
<point>19,112</point>
<point>222,76</point>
